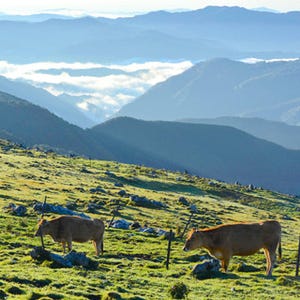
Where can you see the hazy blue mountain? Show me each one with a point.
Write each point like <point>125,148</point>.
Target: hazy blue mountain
<point>57,105</point>
<point>222,87</point>
<point>277,132</point>
<point>211,151</point>
<point>33,18</point>
<point>206,33</point>
<point>245,29</point>
<point>31,125</point>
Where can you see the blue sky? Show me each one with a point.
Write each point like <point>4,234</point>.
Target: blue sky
<point>119,7</point>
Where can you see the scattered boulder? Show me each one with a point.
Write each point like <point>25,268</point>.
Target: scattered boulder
<point>17,210</point>
<point>153,174</point>
<point>165,234</point>
<point>121,224</point>
<point>193,208</point>
<point>57,209</point>
<point>85,170</point>
<point>183,201</point>
<point>135,225</point>
<point>119,184</point>
<point>251,187</point>
<point>40,254</point>
<point>158,232</point>
<point>122,193</point>
<point>73,258</point>
<point>148,230</point>
<point>110,174</point>
<point>80,189</point>
<point>288,218</point>
<point>97,190</point>
<point>80,259</point>
<point>145,202</point>
<point>92,207</point>
<point>207,269</point>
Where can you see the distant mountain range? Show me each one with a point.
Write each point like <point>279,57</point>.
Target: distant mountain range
<point>194,35</point>
<point>212,151</point>
<point>33,18</point>
<point>63,106</point>
<point>31,125</point>
<point>222,87</point>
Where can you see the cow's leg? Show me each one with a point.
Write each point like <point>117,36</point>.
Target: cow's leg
<point>98,246</point>
<point>272,258</point>
<point>69,242</point>
<point>64,246</point>
<point>225,263</point>
<point>269,264</point>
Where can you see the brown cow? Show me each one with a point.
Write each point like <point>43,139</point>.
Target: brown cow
<point>66,229</point>
<point>240,239</point>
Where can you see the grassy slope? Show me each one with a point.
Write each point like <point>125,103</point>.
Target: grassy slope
<point>133,263</point>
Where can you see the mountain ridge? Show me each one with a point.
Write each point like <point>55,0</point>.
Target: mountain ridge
<point>223,87</point>
<point>24,38</point>
<point>277,132</point>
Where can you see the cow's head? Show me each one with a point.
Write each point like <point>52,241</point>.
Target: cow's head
<point>193,240</point>
<point>43,227</point>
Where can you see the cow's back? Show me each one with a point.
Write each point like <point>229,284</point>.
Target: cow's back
<point>246,238</point>
<point>79,229</point>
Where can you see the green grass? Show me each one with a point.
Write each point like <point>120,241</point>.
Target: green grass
<point>133,264</point>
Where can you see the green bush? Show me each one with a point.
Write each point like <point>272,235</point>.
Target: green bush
<point>179,291</point>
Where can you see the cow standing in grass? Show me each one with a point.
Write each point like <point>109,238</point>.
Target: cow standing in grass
<point>65,229</point>
<point>240,239</point>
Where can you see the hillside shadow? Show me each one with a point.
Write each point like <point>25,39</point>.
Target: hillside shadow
<point>160,186</point>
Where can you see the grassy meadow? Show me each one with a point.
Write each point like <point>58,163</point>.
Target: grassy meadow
<point>133,264</point>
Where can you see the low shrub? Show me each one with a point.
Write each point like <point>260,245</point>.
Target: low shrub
<point>179,291</point>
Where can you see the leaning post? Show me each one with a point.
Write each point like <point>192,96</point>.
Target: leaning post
<point>187,224</point>
<point>115,211</point>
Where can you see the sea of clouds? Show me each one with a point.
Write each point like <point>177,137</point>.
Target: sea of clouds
<point>94,88</point>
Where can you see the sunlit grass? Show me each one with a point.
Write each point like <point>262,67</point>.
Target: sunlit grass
<point>133,264</point>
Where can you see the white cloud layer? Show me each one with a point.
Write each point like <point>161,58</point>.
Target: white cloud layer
<point>108,92</point>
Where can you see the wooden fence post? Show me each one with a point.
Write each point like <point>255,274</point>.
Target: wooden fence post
<point>169,249</point>
<point>187,224</point>
<point>43,211</point>
<point>298,259</point>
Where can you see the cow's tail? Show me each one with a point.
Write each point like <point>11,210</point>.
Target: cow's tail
<point>279,250</point>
